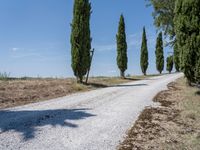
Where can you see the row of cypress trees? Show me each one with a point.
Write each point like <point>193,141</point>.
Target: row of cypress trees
<point>122,59</point>
<point>180,21</point>
<point>81,43</point>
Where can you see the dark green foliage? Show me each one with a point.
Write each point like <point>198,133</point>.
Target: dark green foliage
<point>187,28</point>
<point>197,72</point>
<point>177,57</point>
<point>159,53</point>
<point>80,38</point>
<point>144,53</point>
<point>163,16</point>
<point>122,47</point>
<point>170,63</point>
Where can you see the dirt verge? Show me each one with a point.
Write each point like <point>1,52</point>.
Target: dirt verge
<point>172,125</point>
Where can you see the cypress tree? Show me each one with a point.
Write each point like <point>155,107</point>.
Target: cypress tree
<point>176,57</point>
<point>144,53</point>
<point>170,63</point>
<point>80,38</point>
<point>159,53</point>
<point>197,72</point>
<point>187,29</point>
<point>121,47</point>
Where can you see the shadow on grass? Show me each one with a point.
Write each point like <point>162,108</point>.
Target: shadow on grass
<point>132,79</point>
<point>100,85</point>
<point>96,85</point>
<point>27,122</point>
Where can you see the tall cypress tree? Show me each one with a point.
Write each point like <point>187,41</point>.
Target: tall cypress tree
<point>159,53</point>
<point>121,47</point>
<point>80,38</point>
<point>197,72</point>
<point>187,29</point>
<point>176,57</point>
<point>170,63</point>
<point>144,53</point>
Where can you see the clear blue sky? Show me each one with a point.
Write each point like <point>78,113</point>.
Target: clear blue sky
<point>35,36</point>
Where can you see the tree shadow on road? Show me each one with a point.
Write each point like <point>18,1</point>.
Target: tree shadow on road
<point>128,85</point>
<point>27,122</point>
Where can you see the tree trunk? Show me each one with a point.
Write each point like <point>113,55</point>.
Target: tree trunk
<point>122,74</point>
<point>79,80</point>
<point>189,83</point>
<point>91,56</point>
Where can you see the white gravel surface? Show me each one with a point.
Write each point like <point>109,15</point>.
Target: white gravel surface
<point>94,120</point>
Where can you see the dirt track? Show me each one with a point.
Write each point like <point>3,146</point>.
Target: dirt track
<point>92,120</point>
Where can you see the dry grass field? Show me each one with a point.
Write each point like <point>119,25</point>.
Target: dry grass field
<point>15,92</point>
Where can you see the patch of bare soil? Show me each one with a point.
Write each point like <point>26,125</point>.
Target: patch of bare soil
<point>162,127</point>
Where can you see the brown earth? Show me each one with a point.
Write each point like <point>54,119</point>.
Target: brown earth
<point>175,124</point>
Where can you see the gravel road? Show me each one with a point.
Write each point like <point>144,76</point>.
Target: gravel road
<point>94,120</point>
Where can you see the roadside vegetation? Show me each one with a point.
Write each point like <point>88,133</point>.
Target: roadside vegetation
<point>21,91</point>
<point>175,124</point>
<point>82,52</point>
<point>180,22</point>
